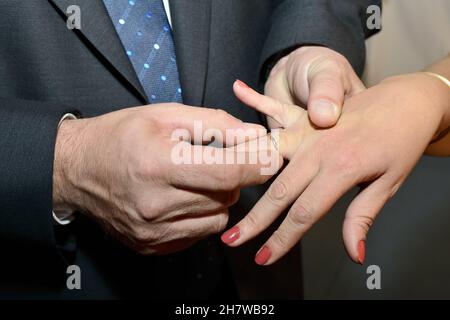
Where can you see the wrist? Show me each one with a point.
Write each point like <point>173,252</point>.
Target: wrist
<point>429,92</point>
<point>68,153</point>
<point>443,97</point>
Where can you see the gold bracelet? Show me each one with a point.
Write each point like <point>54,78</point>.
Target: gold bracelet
<point>438,76</point>
<point>444,132</point>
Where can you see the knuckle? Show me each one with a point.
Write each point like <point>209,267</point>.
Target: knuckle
<point>251,221</point>
<point>363,221</point>
<point>280,239</point>
<point>324,63</point>
<point>277,192</point>
<point>338,59</point>
<point>150,210</point>
<point>301,214</point>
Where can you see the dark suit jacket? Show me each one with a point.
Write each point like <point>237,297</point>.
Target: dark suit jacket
<point>47,70</point>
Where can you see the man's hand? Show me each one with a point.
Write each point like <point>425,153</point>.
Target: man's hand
<point>317,78</point>
<point>380,137</point>
<point>118,169</point>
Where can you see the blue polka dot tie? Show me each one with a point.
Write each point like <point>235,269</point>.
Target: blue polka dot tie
<point>144,30</point>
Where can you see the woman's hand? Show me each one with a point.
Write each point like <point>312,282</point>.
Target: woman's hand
<point>380,137</point>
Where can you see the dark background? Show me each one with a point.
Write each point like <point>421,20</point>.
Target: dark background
<point>410,241</point>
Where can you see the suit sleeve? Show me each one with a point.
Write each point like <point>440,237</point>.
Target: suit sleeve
<point>339,25</point>
<point>27,140</point>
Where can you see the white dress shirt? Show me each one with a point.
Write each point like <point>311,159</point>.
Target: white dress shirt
<point>167,8</point>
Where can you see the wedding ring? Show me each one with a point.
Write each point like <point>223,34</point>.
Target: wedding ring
<point>275,142</point>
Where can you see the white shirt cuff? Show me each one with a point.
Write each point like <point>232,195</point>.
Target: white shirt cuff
<point>61,216</point>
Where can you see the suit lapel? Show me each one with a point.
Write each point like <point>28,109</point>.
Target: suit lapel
<point>98,30</point>
<point>191,22</point>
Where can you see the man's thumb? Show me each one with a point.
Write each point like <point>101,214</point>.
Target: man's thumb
<point>326,97</point>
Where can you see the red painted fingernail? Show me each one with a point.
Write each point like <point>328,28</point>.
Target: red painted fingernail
<point>241,84</point>
<point>361,251</point>
<point>231,235</point>
<point>263,256</point>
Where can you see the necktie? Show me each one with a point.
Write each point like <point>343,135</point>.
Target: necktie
<point>144,30</point>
